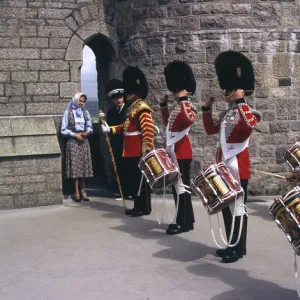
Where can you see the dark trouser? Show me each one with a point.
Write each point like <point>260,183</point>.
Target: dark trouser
<point>123,175</point>
<point>227,216</point>
<point>134,174</point>
<point>185,214</point>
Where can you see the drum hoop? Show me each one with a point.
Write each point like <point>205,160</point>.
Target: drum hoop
<point>295,158</point>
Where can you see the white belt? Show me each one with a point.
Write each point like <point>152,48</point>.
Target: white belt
<point>132,133</point>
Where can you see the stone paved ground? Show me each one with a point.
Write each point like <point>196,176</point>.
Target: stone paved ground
<point>93,251</point>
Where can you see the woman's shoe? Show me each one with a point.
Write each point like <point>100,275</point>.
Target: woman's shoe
<point>84,198</point>
<point>76,199</point>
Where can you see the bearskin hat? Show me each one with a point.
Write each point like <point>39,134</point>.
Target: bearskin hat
<point>235,71</point>
<point>114,88</point>
<point>179,76</point>
<point>135,82</point>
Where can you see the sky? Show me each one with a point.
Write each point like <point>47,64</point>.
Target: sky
<point>89,74</point>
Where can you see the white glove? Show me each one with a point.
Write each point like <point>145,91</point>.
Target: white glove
<point>105,128</point>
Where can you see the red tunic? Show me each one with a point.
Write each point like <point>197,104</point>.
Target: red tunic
<point>139,123</point>
<point>240,121</point>
<point>182,117</point>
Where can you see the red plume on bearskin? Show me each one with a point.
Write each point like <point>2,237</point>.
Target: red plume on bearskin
<point>135,82</point>
<point>179,76</point>
<point>235,71</point>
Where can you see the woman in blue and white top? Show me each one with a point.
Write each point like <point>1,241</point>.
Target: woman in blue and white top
<point>77,125</point>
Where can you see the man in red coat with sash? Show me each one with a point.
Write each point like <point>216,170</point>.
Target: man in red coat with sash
<point>236,78</point>
<point>138,137</point>
<point>181,82</point>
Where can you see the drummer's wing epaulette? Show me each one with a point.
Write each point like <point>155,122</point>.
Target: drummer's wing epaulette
<point>143,106</point>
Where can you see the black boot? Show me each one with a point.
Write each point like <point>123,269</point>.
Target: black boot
<point>232,255</point>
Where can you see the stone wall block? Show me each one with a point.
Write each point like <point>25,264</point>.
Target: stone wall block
<point>6,202</point>
<point>54,182</point>
<point>268,116</point>
<point>89,30</point>
<point>53,54</point>
<point>197,46</point>
<point>58,43</point>
<point>179,10</point>
<point>239,21</point>
<point>211,51</point>
<point>53,13</point>
<point>25,200</point>
<point>48,165</point>
<point>213,22</point>
<point>22,179</point>
<point>9,42</point>
<point>18,13</point>
<point>46,108</point>
<point>70,22</point>
<point>14,89</point>
<point>54,31</point>
<point>85,13</point>
<point>181,47</point>
<point>169,24</point>
<point>4,76</point>
<point>267,14</point>
<point>279,127</point>
<point>74,51</point>
<point>221,8</point>
<point>286,109</point>
<point>48,65</point>
<point>68,89</point>
<point>30,188</point>
<point>54,76</point>
<point>282,64</point>
<point>10,189</point>
<point>46,99</point>
<point>194,58</point>
<point>35,43</point>
<point>242,8</point>
<point>13,65</point>
<point>190,23</point>
<point>49,198</point>
<point>201,9</point>
<point>138,47</point>
<point>24,77</point>
<point>75,70</point>
<point>157,12</point>
<point>24,53</point>
<point>148,26</point>
<point>12,109</point>
<point>41,88</point>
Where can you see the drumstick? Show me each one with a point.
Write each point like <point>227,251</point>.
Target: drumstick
<point>268,173</point>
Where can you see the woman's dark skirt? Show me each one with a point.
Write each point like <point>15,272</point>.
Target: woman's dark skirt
<point>78,159</point>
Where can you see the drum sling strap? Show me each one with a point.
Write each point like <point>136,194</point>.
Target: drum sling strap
<point>171,139</point>
<point>230,151</point>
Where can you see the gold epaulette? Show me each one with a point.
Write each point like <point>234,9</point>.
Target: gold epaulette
<point>142,106</point>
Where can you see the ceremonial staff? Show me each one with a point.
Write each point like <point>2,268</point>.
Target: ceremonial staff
<point>102,118</point>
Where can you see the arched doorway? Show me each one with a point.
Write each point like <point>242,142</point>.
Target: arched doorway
<point>105,60</point>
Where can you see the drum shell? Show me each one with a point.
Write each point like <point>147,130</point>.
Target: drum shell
<point>158,169</point>
<point>292,156</point>
<point>216,187</point>
<point>286,213</point>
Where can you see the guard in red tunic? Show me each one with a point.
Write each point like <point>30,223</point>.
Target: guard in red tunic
<point>181,82</point>
<point>138,137</point>
<point>235,125</point>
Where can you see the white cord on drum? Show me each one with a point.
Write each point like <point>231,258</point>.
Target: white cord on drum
<point>296,276</point>
<point>160,220</point>
<point>173,221</point>
<point>141,182</point>
<point>227,243</point>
